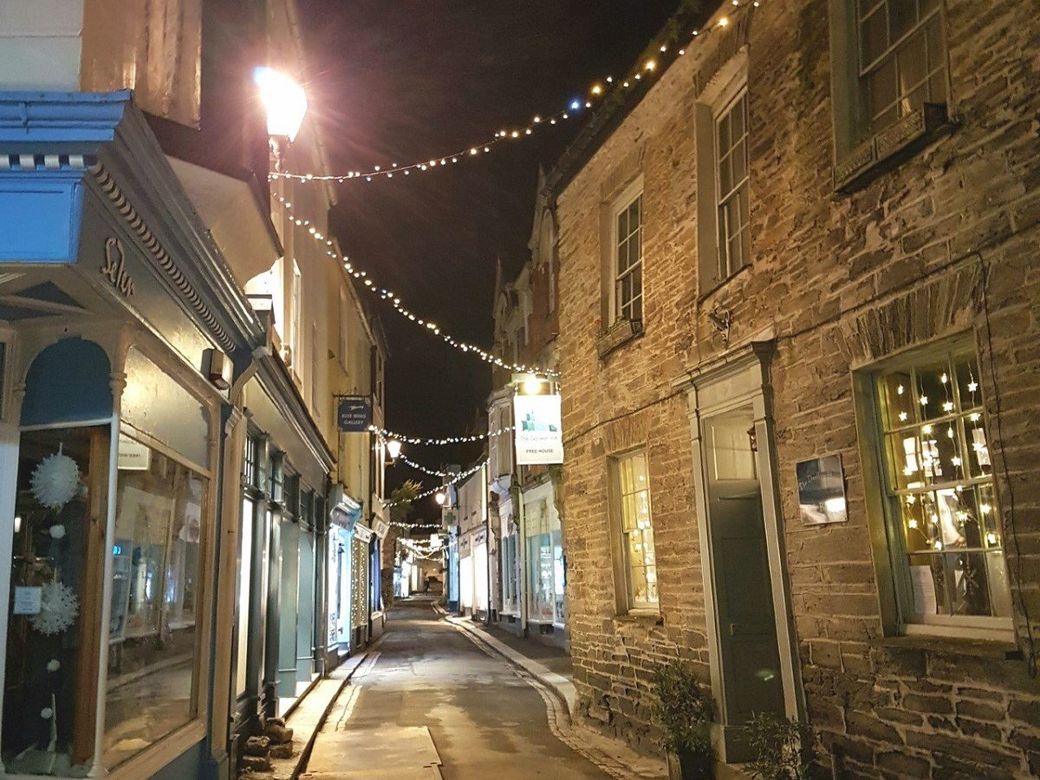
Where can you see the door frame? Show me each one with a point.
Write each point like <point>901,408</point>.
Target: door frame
<point>737,379</point>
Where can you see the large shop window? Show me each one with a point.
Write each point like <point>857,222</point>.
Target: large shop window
<point>637,531</point>
<point>545,564</point>
<point>152,639</point>
<point>948,543</point>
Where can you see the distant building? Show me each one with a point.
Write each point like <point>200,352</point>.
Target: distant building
<point>798,325</point>
<point>531,579</point>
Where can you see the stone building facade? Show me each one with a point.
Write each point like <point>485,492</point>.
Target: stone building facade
<point>819,538</point>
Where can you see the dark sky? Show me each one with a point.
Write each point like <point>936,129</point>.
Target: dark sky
<point>403,80</point>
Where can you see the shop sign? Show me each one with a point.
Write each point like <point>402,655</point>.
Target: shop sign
<point>538,429</point>
<point>354,413</point>
<point>114,267</point>
<point>821,491</point>
<point>28,600</point>
<point>382,529</point>
<point>363,533</point>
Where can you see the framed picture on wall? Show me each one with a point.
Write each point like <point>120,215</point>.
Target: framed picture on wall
<point>821,490</point>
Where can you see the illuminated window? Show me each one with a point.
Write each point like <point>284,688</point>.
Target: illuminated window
<point>637,531</point>
<point>940,491</point>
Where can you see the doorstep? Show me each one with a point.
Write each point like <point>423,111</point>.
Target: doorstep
<point>307,717</point>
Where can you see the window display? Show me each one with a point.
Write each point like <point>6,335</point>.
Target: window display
<point>940,484</point>
<point>152,634</point>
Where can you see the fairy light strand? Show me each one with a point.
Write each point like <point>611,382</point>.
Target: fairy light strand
<point>437,441</point>
<point>594,95</point>
<point>458,477</point>
<point>387,295</point>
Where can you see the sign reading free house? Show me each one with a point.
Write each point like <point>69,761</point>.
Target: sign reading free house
<point>538,429</point>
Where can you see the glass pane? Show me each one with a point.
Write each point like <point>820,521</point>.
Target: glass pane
<point>637,308</point>
<point>740,161</point>
<point>958,524</point>
<point>725,176</point>
<point>904,460</point>
<point>941,452</point>
<point>902,16</point>
<point>633,214</point>
<point>968,383</point>
<point>637,282</point>
<point>640,595</point>
<point>918,530</point>
<point>880,87</point>
<point>152,650</point>
<point>979,464</point>
<point>927,580</point>
<point>873,36</point>
<point>244,592</point>
<point>622,226</point>
<point>49,705</point>
<point>968,581</point>
<point>723,135</point>
<point>988,516</point>
<point>895,392</point>
<point>934,391</point>
<point>737,120</point>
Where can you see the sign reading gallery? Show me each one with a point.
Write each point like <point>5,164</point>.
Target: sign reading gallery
<point>538,429</point>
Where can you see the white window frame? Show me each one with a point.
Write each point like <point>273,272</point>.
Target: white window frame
<point>622,202</point>
<point>296,316</point>
<point>627,603</point>
<point>721,93</point>
<point>725,268</point>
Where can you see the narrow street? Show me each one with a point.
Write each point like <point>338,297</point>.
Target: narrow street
<point>432,702</point>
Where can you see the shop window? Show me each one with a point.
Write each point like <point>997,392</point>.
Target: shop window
<point>947,543</point>
<point>637,557</point>
<point>251,462</point>
<point>156,584</point>
<point>276,487</point>
<point>544,553</point>
<point>893,86</point>
<point>628,257</point>
<point>245,573</point>
<point>50,687</point>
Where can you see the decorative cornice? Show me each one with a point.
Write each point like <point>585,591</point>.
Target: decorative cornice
<point>159,255</point>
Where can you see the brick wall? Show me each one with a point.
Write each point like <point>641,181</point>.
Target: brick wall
<point>843,280</point>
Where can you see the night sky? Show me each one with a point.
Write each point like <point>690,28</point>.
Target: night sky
<point>403,80</point>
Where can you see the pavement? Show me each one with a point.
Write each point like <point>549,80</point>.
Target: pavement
<point>444,700</point>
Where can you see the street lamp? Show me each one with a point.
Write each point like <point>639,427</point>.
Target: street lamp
<point>440,498</point>
<point>284,101</point>
<point>393,449</point>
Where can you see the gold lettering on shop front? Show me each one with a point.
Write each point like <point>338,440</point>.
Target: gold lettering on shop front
<point>114,267</point>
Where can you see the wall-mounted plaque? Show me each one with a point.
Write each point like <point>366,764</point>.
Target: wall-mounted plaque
<point>821,490</point>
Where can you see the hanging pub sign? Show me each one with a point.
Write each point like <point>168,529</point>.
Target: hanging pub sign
<point>538,430</point>
<point>382,528</point>
<point>363,533</point>
<point>353,413</point>
<point>821,490</point>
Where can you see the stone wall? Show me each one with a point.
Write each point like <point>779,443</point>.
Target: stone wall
<point>944,243</point>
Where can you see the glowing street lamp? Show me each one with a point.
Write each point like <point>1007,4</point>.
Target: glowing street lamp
<point>284,102</point>
<point>393,449</point>
<point>440,498</point>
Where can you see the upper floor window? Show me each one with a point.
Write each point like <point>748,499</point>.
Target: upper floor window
<point>639,562</point>
<point>731,187</point>
<point>628,258</point>
<point>947,542</point>
<point>296,317</point>
<point>902,60</point>
<point>251,462</point>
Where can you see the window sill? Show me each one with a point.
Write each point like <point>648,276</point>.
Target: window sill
<point>888,148</point>
<point>979,648</point>
<point>718,284</point>
<point>642,616</point>
<point>621,332</point>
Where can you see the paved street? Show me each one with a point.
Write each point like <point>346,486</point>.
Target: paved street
<point>431,701</point>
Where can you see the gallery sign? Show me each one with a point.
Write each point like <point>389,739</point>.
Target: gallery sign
<point>354,413</point>
<point>538,429</point>
<point>382,528</point>
<point>362,533</point>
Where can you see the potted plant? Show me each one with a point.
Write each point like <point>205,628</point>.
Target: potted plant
<point>684,713</point>
<point>782,747</point>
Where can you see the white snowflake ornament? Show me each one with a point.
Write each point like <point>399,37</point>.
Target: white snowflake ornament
<point>55,480</point>
<point>59,607</point>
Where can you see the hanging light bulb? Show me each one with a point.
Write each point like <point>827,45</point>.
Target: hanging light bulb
<point>393,449</point>
<point>440,498</point>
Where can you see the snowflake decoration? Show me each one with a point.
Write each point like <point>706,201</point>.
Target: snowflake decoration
<point>55,480</point>
<point>59,607</point>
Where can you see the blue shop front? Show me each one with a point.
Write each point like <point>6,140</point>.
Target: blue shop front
<point>122,336</point>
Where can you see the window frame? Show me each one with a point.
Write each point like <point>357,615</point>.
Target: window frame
<point>736,93</point>
<point>622,202</point>
<point>625,601</point>
<point>889,546</point>
<point>729,84</point>
<point>862,152</point>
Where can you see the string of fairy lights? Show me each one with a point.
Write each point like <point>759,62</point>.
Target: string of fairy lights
<point>437,440</point>
<point>594,95</point>
<point>455,477</point>
<point>387,295</point>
